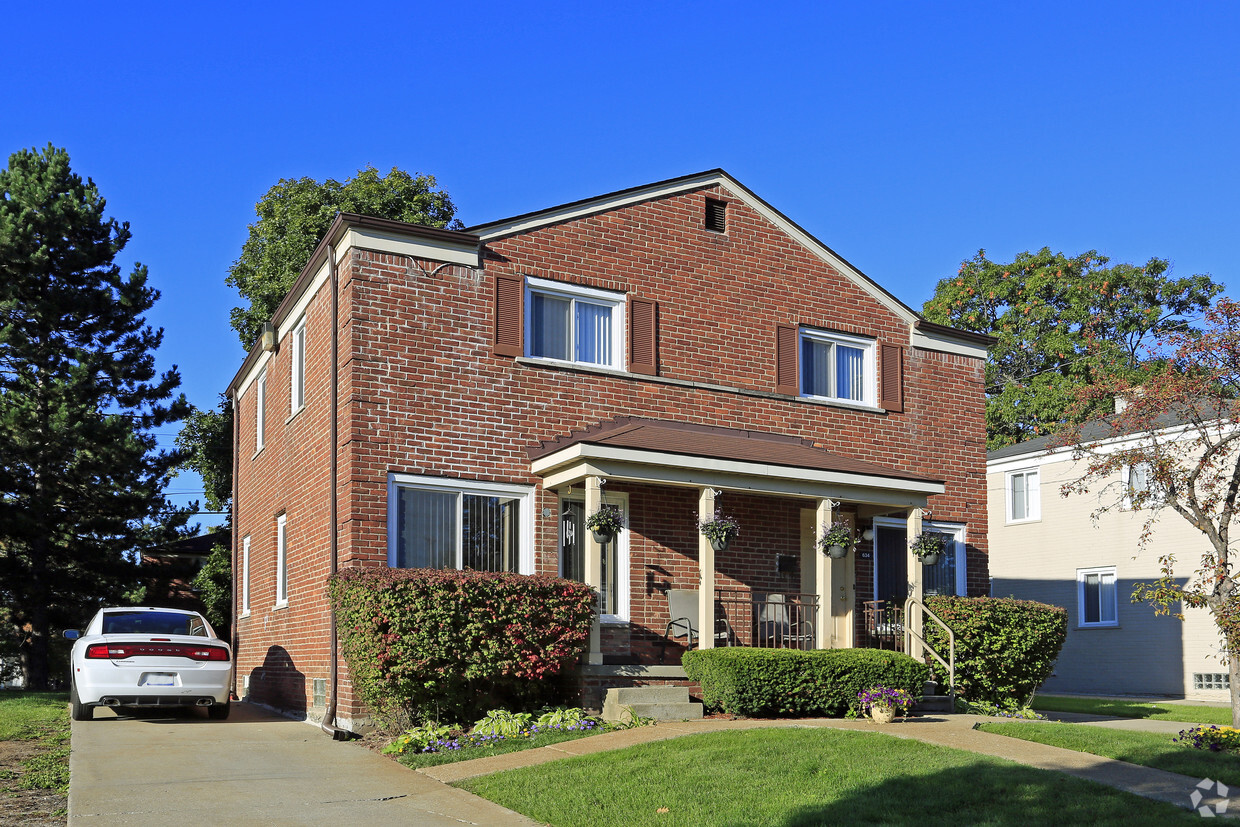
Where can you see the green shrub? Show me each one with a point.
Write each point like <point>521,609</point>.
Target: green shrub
<point>1005,648</point>
<point>788,682</point>
<point>424,644</point>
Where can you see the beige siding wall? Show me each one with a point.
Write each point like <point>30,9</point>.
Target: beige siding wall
<point>1039,559</point>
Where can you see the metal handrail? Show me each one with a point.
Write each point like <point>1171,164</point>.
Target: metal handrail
<point>909,634</point>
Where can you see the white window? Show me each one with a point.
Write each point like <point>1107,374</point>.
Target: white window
<point>260,416</point>
<point>1023,500</point>
<point>1139,486</point>
<point>1097,601</point>
<point>839,367</point>
<point>281,561</point>
<point>245,577</point>
<point>569,323</point>
<point>439,523</point>
<point>298,393</point>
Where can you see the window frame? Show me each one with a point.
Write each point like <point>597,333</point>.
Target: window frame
<point>260,412</point>
<point>245,577</point>
<point>281,561</point>
<point>297,372</point>
<point>868,346</point>
<point>525,514</point>
<point>959,535</point>
<point>1081,621</point>
<point>1033,496</point>
<point>573,293</point>
<point>1153,500</point>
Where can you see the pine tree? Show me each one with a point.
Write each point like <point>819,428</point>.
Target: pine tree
<point>81,479</point>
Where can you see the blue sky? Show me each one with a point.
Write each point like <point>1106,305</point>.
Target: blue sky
<point>904,135</point>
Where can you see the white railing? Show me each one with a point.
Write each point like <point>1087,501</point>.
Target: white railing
<point>910,634</point>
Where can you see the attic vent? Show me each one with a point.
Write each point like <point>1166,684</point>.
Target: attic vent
<point>1211,680</point>
<point>716,215</point>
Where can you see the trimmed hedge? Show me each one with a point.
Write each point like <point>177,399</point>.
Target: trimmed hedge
<point>789,682</point>
<point>1005,648</point>
<point>427,644</point>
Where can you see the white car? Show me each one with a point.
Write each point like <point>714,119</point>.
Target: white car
<point>145,656</point>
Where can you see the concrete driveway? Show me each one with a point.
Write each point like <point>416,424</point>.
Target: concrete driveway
<point>254,768</point>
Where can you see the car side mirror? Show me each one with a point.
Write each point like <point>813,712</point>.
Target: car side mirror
<point>72,634</point>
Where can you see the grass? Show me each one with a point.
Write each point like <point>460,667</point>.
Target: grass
<point>791,777</point>
<point>1135,709</point>
<point>43,718</point>
<point>26,715</point>
<point>416,760</point>
<point>1150,749</point>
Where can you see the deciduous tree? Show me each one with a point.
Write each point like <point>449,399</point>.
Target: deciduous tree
<point>81,481</point>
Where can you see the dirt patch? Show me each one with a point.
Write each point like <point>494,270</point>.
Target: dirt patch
<point>26,807</point>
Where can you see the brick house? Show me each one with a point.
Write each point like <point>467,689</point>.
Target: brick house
<point>672,349</point>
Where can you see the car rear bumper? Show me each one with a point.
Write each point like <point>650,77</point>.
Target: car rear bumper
<point>154,686</point>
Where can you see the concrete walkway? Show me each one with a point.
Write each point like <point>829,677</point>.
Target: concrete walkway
<point>260,768</point>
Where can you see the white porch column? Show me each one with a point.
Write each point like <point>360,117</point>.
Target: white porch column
<point>916,582</point>
<point>706,565</point>
<point>594,566</point>
<point>824,634</point>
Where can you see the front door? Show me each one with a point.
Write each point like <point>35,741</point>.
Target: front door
<point>612,602</point>
<point>890,565</point>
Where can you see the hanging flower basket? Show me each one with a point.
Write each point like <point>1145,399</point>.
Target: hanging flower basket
<point>605,523</point>
<point>836,540</point>
<point>720,530</point>
<point>931,559</point>
<point>929,546</point>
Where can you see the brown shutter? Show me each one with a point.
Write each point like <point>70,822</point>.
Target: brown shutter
<point>643,336</point>
<point>891,386</point>
<point>786,361</point>
<point>509,315</point>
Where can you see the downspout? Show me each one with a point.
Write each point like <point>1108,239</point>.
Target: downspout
<point>232,519</point>
<point>329,716</point>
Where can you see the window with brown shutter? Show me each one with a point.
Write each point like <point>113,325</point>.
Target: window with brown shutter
<point>643,336</point>
<point>786,365</point>
<point>509,315</point>
<point>891,387</point>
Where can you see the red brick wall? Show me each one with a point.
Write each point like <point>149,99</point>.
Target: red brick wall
<point>423,393</point>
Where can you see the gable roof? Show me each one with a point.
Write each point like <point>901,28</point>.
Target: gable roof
<point>1098,430</point>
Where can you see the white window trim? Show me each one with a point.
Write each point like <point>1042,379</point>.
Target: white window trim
<point>260,415</point>
<point>281,560</point>
<point>1126,480</point>
<point>958,532</point>
<point>563,290</point>
<point>297,373</point>
<point>623,598</point>
<point>869,346</point>
<point>1080,598</point>
<point>1034,496</point>
<point>245,577</point>
<point>524,493</point>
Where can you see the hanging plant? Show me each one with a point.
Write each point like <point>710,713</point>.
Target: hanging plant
<point>606,522</point>
<point>836,539</point>
<point>719,529</point>
<point>929,547</point>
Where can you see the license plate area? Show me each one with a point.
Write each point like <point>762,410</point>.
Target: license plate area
<point>158,679</point>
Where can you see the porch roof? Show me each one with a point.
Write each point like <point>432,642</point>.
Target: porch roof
<point>681,453</point>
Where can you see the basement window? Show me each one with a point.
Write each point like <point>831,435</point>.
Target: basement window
<point>1211,680</point>
<point>716,215</point>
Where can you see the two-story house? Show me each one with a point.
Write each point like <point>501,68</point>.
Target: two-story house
<point>426,397</point>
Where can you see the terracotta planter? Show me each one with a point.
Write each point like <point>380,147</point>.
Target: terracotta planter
<point>931,559</point>
<point>882,715</point>
<point>837,552</point>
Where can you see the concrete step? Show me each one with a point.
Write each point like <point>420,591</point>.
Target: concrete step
<point>935,704</point>
<point>663,703</point>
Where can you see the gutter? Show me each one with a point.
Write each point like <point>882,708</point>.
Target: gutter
<point>329,716</point>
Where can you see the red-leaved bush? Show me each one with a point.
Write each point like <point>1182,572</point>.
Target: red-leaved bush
<point>427,644</point>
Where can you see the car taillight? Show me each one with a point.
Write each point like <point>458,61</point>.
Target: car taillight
<point>115,651</point>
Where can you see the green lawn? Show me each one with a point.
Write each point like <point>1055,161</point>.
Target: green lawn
<point>42,718</point>
<point>25,715</point>
<point>1135,709</point>
<point>1149,749</point>
<point>792,777</point>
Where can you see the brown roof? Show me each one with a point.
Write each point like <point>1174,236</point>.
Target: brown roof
<point>689,439</point>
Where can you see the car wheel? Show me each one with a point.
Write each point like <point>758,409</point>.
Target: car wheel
<point>219,712</point>
<point>78,711</point>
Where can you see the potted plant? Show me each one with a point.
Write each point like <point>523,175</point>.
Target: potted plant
<point>883,701</point>
<point>606,523</point>
<point>720,530</point>
<point>929,547</point>
<point>836,539</point>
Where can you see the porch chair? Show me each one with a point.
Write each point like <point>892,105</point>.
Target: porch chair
<point>682,608</point>
<point>777,628</point>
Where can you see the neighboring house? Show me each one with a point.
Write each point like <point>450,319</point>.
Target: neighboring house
<point>1050,548</point>
<point>671,349</point>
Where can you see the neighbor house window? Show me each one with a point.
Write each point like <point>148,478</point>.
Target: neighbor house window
<point>1096,597</point>
<point>1023,501</point>
<point>281,561</point>
<point>245,577</point>
<point>298,393</point>
<point>260,415</point>
<point>449,524</point>
<point>569,323</point>
<point>1139,485</point>
<point>835,366</point>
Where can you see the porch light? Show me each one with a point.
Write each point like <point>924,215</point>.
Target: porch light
<point>867,535</point>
